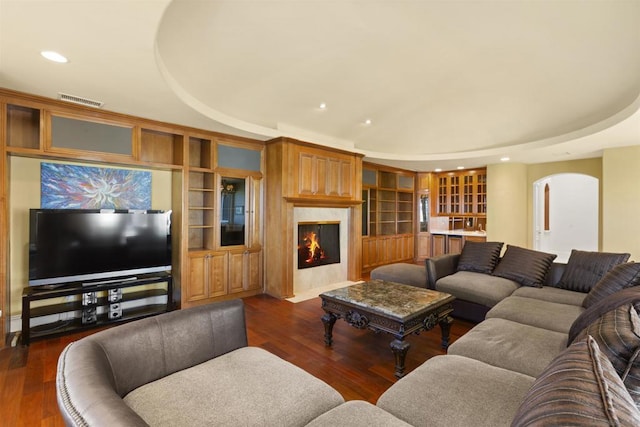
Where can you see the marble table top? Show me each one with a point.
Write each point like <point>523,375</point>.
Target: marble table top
<point>393,299</point>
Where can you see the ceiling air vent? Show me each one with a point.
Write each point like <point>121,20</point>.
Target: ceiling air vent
<point>79,100</point>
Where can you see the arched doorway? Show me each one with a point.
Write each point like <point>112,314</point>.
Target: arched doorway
<point>565,214</point>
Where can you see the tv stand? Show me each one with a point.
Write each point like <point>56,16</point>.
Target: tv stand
<point>104,282</point>
<point>93,304</point>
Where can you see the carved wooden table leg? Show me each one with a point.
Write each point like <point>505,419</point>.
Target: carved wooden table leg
<point>445,327</point>
<point>400,349</point>
<point>329,319</point>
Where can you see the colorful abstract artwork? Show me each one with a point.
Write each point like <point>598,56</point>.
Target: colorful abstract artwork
<point>85,187</point>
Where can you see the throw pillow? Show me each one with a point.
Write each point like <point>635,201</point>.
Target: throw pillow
<point>617,333</point>
<point>585,269</point>
<point>579,387</point>
<point>620,277</point>
<point>481,257</point>
<point>525,266</point>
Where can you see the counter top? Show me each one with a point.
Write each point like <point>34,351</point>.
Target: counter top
<point>459,232</point>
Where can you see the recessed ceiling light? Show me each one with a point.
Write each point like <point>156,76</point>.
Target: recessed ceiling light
<point>460,167</point>
<point>368,122</point>
<point>437,170</point>
<point>54,56</point>
<point>504,159</point>
<point>323,106</point>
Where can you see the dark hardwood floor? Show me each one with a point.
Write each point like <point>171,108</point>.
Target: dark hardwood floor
<point>359,365</point>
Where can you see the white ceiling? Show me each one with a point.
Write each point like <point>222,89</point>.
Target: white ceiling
<point>445,83</point>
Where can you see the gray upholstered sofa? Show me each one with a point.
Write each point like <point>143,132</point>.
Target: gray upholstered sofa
<point>193,367</point>
<point>539,358</point>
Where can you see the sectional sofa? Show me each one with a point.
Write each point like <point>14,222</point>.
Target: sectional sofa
<point>193,367</point>
<point>567,354</point>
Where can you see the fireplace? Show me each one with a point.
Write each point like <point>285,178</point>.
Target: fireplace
<point>318,243</point>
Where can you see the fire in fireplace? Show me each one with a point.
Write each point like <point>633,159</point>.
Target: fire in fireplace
<point>318,243</point>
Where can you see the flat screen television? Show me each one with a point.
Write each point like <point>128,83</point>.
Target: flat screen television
<point>87,245</point>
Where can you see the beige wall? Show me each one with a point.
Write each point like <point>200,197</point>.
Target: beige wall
<point>510,196</point>
<point>24,194</point>
<point>621,201</point>
<point>507,203</point>
<point>591,167</point>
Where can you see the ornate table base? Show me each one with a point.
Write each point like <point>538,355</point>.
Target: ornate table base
<point>389,307</point>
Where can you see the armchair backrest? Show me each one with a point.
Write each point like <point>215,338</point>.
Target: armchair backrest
<point>105,366</point>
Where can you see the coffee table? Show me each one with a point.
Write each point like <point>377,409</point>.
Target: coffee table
<point>389,307</point>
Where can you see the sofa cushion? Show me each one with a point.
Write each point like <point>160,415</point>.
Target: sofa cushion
<point>535,312</point>
<point>525,266</point>
<point>357,413</point>
<point>584,269</point>
<point>500,343</point>
<point>479,288</point>
<point>599,308</point>
<point>617,333</point>
<point>248,386</point>
<point>480,257</point>
<point>580,387</point>
<point>458,391</point>
<point>408,274</point>
<point>551,294</point>
<point>620,277</point>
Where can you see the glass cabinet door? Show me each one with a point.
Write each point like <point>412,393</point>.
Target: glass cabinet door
<point>232,211</point>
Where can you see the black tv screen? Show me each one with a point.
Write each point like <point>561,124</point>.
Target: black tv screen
<point>77,245</point>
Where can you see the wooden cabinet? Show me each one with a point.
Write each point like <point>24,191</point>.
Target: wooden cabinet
<point>382,250</point>
<point>57,129</point>
<point>451,243</point>
<point>245,271</point>
<point>423,246</point>
<point>438,244</point>
<point>225,234</point>
<point>454,244</point>
<point>460,193</point>
<point>207,276</point>
<point>204,267</point>
<point>323,174</point>
<point>390,205</point>
<point>294,181</point>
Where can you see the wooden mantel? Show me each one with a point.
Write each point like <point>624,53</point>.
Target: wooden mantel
<point>300,174</point>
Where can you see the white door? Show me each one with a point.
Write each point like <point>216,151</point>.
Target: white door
<point>565,214</point>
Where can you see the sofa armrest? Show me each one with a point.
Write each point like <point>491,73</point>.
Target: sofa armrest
<point>440,266</point>
<point>97,371</point>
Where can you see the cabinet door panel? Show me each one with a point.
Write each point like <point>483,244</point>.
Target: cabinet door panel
<point>346,182</point>
<point>197,287</point>
<point>254,271</point>
<point>438,242</point>
<point>319,177</point>
<point>236,272</point>
<point>305,174</point>
<point>333,177</point>
<point>455,244</point>
<point>218,275</point>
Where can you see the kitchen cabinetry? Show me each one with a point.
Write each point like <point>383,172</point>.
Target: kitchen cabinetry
<point>452,242</point>
<point>460,193</point>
